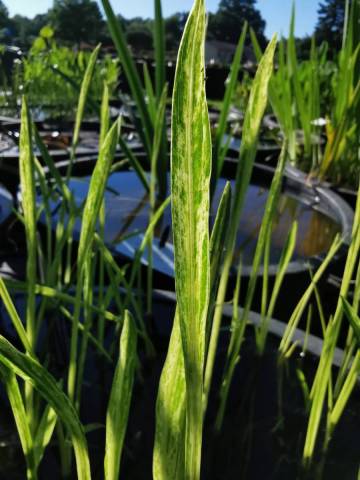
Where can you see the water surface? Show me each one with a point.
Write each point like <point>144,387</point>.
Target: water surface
<point>127,216</point>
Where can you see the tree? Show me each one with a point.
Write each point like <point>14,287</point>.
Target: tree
<point>4,16</point>
<point>174,27</point>
<point>226,24</point>
<point>139,34</point>
<point>77,21</point>
<point>27,30</point>
<point>329,28</point>
<point>6,27</point>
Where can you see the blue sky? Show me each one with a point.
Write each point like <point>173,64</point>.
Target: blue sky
<point>275,12</point>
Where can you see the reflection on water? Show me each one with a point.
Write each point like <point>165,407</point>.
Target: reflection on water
<point>55,141</point>
<point>6,204</point>
<point>127,212</point>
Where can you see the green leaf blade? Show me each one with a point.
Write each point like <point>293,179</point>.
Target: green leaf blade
<point>33,373</point>
<point>190,178</point>
<point>120,398</point>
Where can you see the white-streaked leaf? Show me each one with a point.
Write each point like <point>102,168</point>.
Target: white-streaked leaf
<point>168,460</point>
<point>190,176</point>
<point>96,191</point>
<point>21,419</point>
<point>27,182</point>
<point>120,398</point>
<point>85,86</point>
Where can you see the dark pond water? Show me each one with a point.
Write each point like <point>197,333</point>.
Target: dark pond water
<point>57,143</point>
<point>127,212</point>
<point>262,435</point>
<point>6,203</point>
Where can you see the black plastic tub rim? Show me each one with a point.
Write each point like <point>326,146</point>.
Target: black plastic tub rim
<point>311,342</point>
<point>295,183</point>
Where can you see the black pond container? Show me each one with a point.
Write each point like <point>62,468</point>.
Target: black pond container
<point>8,57</point>
<point>321,214</point>
<point>6,210</point>
<point>348,194</point>
<point>264,424</point>
<point>216,76</point>
<point>254,421</point>
<point>268,152</point>
<point>6,204</point>
<point>12,240</point>
<point>58,138</point>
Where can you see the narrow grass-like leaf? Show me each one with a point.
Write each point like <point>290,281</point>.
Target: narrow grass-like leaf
<point>150,95</point>
<point>120,398</point>
<point>159,46</point>
<point>46,157</point>
<point>144,242</point>
<point>160,79</point>
<point>304,117</point>
<point>32,372</point>
<point>131,73</point>
<point>134,163</point>
<point>104,114</point>
<point>27,182</point>
<point>300,308</point>
<point>21,420</point>
<point>44,432</point>
<point>90,217</point>
<point>16,321</point>
<point>238,330</point>
<point>104,128</point>
<point>85,86</point>
<point>88,284</point>
<point>76,86</point>
<point>96,191</point>
<point>57,295</point>
<point>280,98</point>
<point>102,313</point>
<point>217,253</point>
<point>346,391</point>
<point>219,149</point>
<point>46,190</point>
<point>253,116</point>
<point>158,136</point>
<point>84,90</point>
<point>159,123</point>
<point>353,318</point>
<point>28,202</point>
<point>323,374</point>
<point>218,238</point>
<point>286,256</point>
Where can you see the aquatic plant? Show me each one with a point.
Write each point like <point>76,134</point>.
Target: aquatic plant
<point>318,98</point>
<point>51,75</point>
<point>103,302</point>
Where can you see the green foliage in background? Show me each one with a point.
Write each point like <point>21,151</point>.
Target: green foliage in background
<point>103,303</point>
<point>51,76</point>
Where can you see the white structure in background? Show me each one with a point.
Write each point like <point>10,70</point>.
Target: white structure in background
<point>222,53</point>
<point>219,52</point>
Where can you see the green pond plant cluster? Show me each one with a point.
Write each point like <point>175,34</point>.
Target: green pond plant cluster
<point>95,294</point>
<point>50,76</point>
<point>318,100</point>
